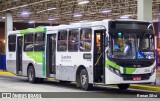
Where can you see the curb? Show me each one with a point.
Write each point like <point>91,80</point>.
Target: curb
<point>143,87</point>
<point>6,73</point>
<point>158,75</point>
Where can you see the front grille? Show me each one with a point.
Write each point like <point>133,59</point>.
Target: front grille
<point>133,62</point>
<point>130,76</point>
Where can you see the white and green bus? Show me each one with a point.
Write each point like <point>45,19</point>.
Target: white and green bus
<point>100,52</point>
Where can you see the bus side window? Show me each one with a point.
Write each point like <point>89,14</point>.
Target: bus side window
<point>85,39</point>
<point>62,41</point>
<point>73,40</point>
<point>28,42</point>
<point>12,43</point>
<point>39,44</point>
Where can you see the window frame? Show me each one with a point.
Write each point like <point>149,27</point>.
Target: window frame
<point>34,39</point>
<point>24,49</point>
<point>12,43</point>
<point>85,39</point>
<point>78,38</point>
<point>59,32</point>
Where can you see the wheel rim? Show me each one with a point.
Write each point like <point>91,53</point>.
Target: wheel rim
<point>30,74</point>
<point>83,79</point>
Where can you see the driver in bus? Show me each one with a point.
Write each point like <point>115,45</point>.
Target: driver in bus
<point>128,48</point>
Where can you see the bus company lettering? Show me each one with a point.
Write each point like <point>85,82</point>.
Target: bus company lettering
<point>65,58</point>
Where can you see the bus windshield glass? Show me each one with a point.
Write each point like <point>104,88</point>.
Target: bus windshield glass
<point>131,46</point>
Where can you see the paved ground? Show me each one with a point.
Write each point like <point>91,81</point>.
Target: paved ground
<point>20,84</point>
<point>158,77</point>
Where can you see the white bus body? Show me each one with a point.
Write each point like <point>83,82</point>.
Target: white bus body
<point>95,55</point>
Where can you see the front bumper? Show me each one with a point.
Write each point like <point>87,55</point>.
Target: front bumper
<point>112,78</point>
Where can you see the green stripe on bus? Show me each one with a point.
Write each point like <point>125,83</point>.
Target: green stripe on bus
<point>32,30</point>
<point>36,56</point>
<point>40,30</point>
<point>129,70</point>
<point>112,64</point>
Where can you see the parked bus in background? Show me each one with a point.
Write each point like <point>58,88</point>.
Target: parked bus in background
<point>92,53</point>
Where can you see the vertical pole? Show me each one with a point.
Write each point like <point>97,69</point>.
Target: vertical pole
<point>34,24</point>
<point>144,10</point>
<point>51,24</point>
<point>8,25</point>
<point>158,30</point>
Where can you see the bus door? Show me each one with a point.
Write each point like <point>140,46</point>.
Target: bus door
<point>19,55</point>
<point>51,55</point>
<point>99,55</point>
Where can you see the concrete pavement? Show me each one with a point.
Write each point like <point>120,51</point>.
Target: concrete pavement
<point>149,87</point>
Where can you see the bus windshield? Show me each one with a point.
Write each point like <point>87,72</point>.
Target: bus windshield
<point>131,46</point>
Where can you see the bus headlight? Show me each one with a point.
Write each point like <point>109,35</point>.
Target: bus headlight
<point>111,69</point>
<point>153,70</point>
<point>116,71</point>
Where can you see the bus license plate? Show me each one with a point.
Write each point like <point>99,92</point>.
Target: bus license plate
<point>136,78</point>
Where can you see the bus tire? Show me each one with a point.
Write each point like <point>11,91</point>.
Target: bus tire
<point>31,75</point>
<point>123,86</point>
<point>84,80</point>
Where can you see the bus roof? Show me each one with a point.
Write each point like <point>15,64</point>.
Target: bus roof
<point>70,26</point>
<point>14,32</point>
<point>89,24</point>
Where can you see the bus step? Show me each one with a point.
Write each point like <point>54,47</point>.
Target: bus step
<point>52,75</point>
<point>98,83</point>
<point>20,72</point>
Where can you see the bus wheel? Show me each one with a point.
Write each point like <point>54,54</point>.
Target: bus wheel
<point>123,86</point>
<point>84,80</point>
<point>31,75</point>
